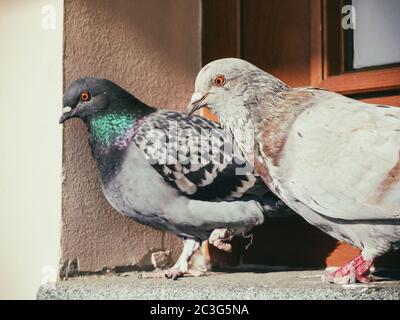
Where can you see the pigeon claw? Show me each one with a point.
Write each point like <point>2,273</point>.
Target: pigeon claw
<point>174,274</point>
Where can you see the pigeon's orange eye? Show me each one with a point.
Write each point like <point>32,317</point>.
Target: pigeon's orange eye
<point>85,96</point>
<point>219,81</point>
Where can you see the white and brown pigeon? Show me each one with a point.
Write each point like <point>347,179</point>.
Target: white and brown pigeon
<point>332,159</point>
<point>168,170</point>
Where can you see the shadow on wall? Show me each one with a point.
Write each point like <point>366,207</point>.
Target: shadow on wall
<point>286,242</point>
<point>293,242</point>
<point>290,242</point>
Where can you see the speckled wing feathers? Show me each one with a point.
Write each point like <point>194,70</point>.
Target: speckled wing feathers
<point>200,168</point>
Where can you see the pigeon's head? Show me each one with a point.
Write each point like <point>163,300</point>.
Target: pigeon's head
<point>224,85</point>
<point>87,96</point>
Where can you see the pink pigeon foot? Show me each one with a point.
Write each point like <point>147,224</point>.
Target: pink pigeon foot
<point>357,270</point>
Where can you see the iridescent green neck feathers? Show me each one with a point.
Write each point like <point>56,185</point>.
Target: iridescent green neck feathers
<point>112,128</point>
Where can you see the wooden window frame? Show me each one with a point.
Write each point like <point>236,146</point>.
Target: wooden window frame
<point>324,49</point>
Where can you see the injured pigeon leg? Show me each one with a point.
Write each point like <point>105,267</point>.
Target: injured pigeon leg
<point>180,268</point>
<point>357,270</point>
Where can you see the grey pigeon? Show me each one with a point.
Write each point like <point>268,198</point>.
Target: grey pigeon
<point>332,159</point>
<point>155,167</point>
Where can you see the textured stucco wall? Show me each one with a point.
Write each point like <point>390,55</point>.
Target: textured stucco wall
<point>151,48</point>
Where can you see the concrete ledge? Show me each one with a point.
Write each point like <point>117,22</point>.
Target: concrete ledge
<point>241,285</point>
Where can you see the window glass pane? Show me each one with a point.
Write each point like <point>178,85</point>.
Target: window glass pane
<point>377,33</point>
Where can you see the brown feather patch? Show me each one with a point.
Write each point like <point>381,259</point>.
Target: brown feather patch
<point>391,179</point>
<point>275,120</point>
<point>262,170</point>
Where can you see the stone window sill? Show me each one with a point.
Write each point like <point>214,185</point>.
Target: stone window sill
<point>258,284</point>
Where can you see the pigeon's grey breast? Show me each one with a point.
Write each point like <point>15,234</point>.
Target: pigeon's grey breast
<point>139,192</point>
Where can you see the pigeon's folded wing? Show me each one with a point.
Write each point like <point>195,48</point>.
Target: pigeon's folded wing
<point>342,158</point>
<point>194,156</point>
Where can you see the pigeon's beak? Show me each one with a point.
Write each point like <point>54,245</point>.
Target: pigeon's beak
<point>196,102</point>
<point>66,114</point>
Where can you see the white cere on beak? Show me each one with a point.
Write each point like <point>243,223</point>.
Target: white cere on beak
<point>197,97</point>
<point>67,109</point>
